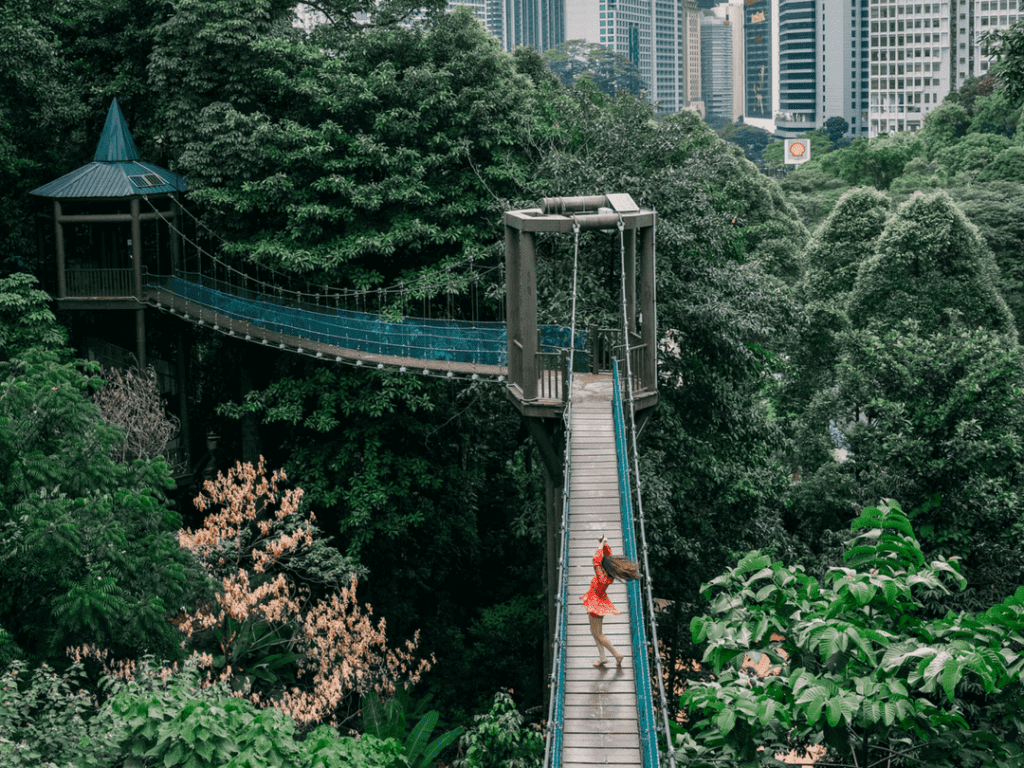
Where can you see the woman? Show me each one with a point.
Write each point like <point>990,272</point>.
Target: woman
<point>606,569</point>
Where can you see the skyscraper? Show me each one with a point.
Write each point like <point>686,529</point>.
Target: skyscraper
<point>758,50</point>
<point>721,60</point>
<point>539,23</point>
<point>660,37</point>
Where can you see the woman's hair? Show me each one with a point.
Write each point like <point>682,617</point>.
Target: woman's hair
<point>620,568</point>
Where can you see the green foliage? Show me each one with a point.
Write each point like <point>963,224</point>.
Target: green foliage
<point>855,664</point>
<point>389,720</point>
<point>50,719</point>
<point>813,193</point>
<point>975,152</point>
<point>1008,47</point>
<point>842,244</point>
<point>995,114</point>
<point>835,129</point>
<point>925,415</point>
<point>944,126</point>
<point>360,164</point>
<point>919,175</point>
<point>750,139</point>
<point>89,554</point>
<point>499,740</point>
<point>1008,165</point>
<point>25,317</point>
<point>929,262</point>
<point>606,70</point>
<point>180,724</point>
<point>992,207</point>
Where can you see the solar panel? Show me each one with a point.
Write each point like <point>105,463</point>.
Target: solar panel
<point>147,180</point>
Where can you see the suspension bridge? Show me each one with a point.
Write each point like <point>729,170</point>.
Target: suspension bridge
<point>591,383</point>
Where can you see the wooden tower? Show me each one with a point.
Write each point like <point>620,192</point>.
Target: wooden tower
<point>108,238</point>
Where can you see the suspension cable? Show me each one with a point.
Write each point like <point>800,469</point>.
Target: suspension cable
<point>553,741</point>
<point>639,496</point>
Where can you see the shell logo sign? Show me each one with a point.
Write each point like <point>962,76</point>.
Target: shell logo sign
<point>797,151</point>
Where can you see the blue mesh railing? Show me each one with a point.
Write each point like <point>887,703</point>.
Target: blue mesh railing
<point>641,669</point>
<point>480,343</point>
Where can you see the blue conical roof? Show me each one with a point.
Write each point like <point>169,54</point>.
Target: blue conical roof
<point>116,142</point>
<point>116,170</point>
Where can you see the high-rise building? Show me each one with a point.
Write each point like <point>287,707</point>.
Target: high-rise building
<point>822,65</point>
<point>721,60</point>
<point>759,55</point>
<point>922,51</point>
<point>660,37</point>
<point>538,23</point>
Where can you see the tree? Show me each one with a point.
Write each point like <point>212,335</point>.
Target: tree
<point>361,164</point>
<point>813,193</point>
<point>919,175</point>
<point>89,554</point>
<point>25,317</point>
<point>835,129</point>
<point>842,244</point>
<point>975,152</point>
<point>264,615</point>
<point>854,662</point>
<point>944,126</point>
<point>131,400</point>
<point>750,139</point>
<point>972,89</point>
<point>1008,48</point>
<point>995,114</point>
<point>923,415</point>
<point>608,71</point>
<point>991,206</point>
<point>929,262</point>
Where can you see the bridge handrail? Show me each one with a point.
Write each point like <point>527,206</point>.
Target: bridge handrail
<point>641,670</point>
<point>556,715</point>
<point>649,749</point>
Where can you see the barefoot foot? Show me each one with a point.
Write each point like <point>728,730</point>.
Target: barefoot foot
<point>618,659</point>
<point>600,663</point>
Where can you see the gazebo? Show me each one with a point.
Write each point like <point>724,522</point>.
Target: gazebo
<point>106,235</point>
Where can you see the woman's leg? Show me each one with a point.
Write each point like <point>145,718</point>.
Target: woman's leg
<point>595,630</point>
<point>602,641</point>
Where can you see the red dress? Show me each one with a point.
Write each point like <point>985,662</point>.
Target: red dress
<point>595,601</point>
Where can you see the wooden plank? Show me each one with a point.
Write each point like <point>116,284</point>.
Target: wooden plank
<point>625,715</point>
<point>607,740</point>
<point>592,755</point>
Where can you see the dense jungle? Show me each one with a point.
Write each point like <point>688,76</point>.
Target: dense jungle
<point>354,576</point>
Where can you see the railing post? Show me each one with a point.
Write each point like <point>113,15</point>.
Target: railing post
<point>564,367</point>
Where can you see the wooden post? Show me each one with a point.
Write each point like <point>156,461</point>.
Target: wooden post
<point>58,231</point>
<point>173,235</point>
<point>137,247</point>
<point>186,432</point>
<point>140,314</point>
<point>630,241</point>
<point>648,309</point>
<point>527,280</point>
<point>512,305</point>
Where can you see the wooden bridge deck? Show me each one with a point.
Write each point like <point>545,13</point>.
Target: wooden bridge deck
<point>600,722</point>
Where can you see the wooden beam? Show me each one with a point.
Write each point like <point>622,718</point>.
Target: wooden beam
<point>648,309</point>
<point>58,231</point>
<point>527,280</point>
<point>113,218</point>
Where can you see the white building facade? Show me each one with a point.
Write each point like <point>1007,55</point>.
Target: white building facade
<point>922,51</point>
